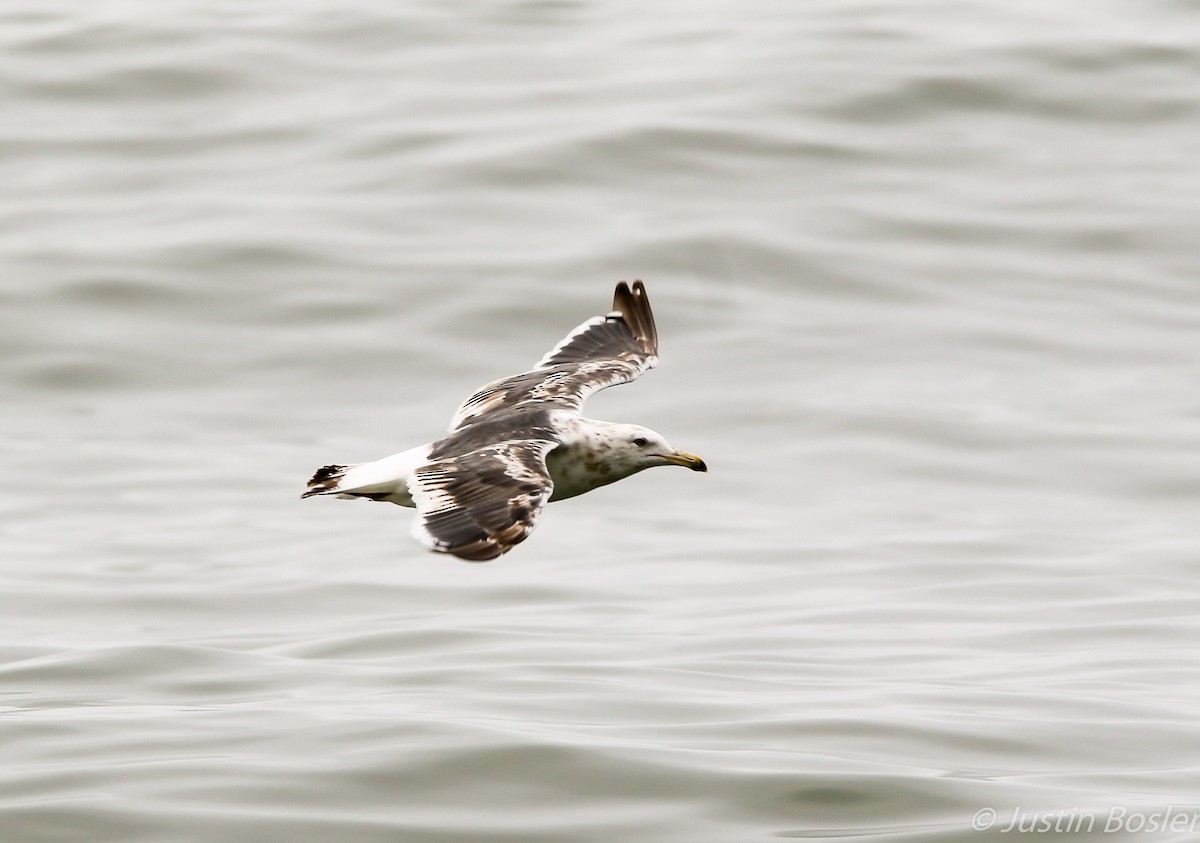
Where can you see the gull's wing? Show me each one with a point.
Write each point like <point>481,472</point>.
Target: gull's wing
<point>480,504</point>
<point>603,351</point>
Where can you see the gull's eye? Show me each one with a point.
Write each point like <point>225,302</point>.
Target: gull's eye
<point>640,441</point>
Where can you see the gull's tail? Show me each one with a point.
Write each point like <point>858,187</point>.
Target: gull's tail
<point>382,480</point>
<point>326,481</point>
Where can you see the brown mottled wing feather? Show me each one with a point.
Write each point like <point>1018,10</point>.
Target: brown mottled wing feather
<point>603,351</point>
<point>480,504</point>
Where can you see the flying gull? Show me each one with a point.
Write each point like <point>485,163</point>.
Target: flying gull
<point>522,441</point>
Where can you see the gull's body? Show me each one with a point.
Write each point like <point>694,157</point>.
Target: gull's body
<point>521,442</point>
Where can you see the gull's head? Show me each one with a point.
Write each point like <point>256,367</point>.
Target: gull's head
<point>640,447</point>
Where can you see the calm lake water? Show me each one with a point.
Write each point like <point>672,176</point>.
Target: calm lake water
<point>927,279</point>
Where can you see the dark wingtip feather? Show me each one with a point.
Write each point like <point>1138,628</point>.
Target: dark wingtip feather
<point>623,299</point>
<point>634,305</point>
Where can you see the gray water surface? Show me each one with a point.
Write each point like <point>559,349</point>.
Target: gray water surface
<point>926,283</point>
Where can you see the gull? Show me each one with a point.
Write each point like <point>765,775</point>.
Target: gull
<point>522,441</point>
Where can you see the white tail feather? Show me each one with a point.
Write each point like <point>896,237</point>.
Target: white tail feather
<point>381,480</point>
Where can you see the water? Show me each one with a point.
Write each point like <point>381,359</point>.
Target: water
<point>925,277</point>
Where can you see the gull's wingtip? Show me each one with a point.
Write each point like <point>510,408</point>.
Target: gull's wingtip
<point>634,305</point>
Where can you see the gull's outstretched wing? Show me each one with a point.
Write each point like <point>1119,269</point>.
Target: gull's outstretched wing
<point>603,351</point>
<point>480,504</point>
